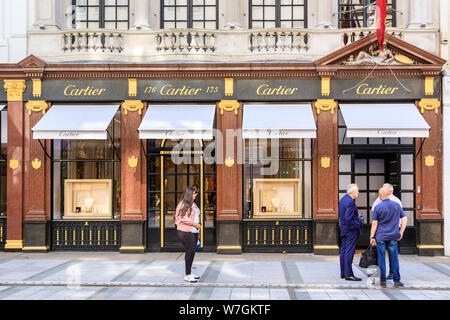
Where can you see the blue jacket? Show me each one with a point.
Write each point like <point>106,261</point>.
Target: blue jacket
<point>349,221</point>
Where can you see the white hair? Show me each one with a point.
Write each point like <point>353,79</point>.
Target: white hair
<point>351,187</point>
<point>388,186</point>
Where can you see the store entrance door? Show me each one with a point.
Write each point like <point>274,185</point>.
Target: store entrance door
<point>370,171</point>
<point>180,165</point>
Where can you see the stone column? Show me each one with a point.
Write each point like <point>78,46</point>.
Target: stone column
<point>233,14</point>
<point>325,178</point>
<point>419,14</point>
<point>429,181</point>
<point>141,12</point>
<point>14,169</point>
<point>324,14</point>
<point>133,179</point>
<point>48,14</point>
<point>446,161</point>
<point>229,177</point>
<point>36,182</point>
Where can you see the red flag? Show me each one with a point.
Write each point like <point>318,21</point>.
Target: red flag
<point>381,21</point>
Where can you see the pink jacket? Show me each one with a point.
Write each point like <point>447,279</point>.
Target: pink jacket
<point>187,222</point>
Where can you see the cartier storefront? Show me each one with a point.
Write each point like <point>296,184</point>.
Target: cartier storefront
<point>96,157</point>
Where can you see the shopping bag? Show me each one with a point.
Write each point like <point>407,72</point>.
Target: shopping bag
<point>369,257</point>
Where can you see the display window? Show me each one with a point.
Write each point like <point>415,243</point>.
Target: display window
<point>278,179</point>
<point>86,177</point>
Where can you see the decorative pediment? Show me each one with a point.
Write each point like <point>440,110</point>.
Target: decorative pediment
<point>366,51</point>
<point>33,66</point>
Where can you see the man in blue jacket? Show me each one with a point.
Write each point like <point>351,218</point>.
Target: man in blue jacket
<point>351,228</point>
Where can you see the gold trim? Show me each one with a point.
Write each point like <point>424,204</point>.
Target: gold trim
<point>36,106</point>
<point>132,248</point>
<point>429,104</point>
<point>229,89</point>
<point>428,246</point>
<point>326,86</point>
<point>229,105</point>
<point>229,162</point>
<point>325,162</point>
<point>429,161</point>
<point>15,89</point>
<point>326,247</point>
<point>132,162</point>
<point>14,244</point>
<point>161,214</point>
<point>132,87</point>
<point>13,164</point>
<point>132,105</point>
<point>229,247</point>
<point>429,86</point>
<point>36,164</point>
<point>325,105</point>
<point>35,248</point>
<point>37,87</point>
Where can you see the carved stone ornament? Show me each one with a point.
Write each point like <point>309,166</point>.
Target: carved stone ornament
<point>429,161</point>
<point>325,162</point>
<point>132,105</point>
<point>36,164</point>
<point>13,164</point>
<point>378,57</point>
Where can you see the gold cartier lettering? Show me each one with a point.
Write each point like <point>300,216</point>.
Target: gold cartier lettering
<point>266,90</point>
<point>381,89</point>
<point>72,90</point>
<point>169,90</point>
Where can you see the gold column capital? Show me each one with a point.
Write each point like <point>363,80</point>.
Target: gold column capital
<point>325,105</point>
<point>229,106</point>
<point>429,104</point>
<point>15,89</point>
<point>133,105</point>
<point>36,106</point>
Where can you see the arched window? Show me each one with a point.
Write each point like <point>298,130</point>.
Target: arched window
<point>277,14</point>
<point>361,13</point>
<point>107,14</point>
<point>197,14</point>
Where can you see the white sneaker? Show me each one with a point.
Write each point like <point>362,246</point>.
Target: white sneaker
<point>195,276</point>
<point>190,278</point>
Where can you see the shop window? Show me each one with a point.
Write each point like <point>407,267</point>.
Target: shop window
<point>86,177</point>
<point>3,152</point>
<point>277,178</point>
<point>107,14</point>
<point>183,14</point>
<point>277,14</point>
<point>361,13</point>
<point>371,162</point>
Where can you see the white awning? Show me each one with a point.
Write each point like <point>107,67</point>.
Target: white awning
<point>278,121</point>
<point>384,120</point>
<point>80,122</point>
<point>178,122</point>
<point>2,107</point>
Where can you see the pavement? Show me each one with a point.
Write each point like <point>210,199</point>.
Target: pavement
<point>249,276</point>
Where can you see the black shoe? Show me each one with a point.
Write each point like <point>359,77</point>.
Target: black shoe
<point>352,278</point>
<point>398,284</point>
<point>390,277</point>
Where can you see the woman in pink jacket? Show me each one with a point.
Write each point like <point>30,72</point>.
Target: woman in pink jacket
<point>185,221</point>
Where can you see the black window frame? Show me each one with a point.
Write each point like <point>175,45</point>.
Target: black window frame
<point>278,19</point>
<point>101,19</point>
<point>391,8</point>
<point>190,12</point>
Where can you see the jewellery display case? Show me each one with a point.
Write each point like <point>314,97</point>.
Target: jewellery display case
<point>87,198</point>
<point>276,198</point>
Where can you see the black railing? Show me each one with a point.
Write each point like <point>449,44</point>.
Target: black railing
<point>86,235</point>
<point>2,232</point>
<point>277,235</point>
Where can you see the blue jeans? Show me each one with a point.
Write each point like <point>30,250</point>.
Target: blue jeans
<point>392,248</point>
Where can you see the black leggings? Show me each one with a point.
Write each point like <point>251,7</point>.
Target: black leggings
<point>189,241</point>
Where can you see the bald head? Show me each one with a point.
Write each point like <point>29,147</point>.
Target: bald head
<point>384,193</point>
